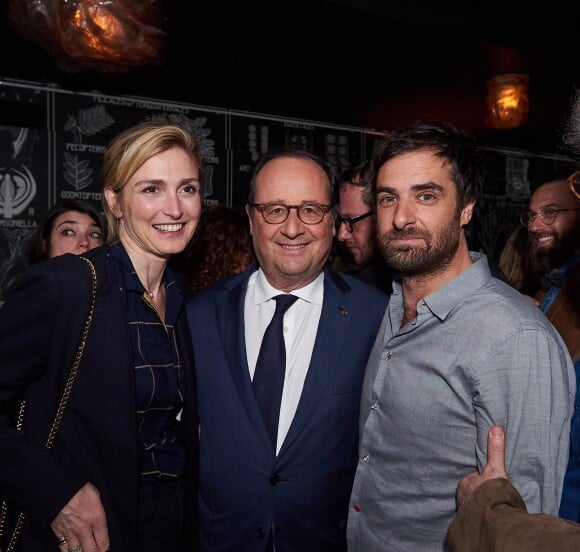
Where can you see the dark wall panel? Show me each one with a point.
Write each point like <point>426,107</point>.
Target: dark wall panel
<point>52,141</point>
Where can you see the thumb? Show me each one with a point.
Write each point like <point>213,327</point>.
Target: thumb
<point>495,453</point>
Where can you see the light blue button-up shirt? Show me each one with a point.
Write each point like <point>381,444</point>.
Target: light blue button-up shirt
<point>478,353</point>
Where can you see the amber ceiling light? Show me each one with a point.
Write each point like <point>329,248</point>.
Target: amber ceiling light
<point>107,36</point>
<point>507,101</point>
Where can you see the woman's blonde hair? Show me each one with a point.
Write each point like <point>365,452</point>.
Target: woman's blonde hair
<point>133,147</point>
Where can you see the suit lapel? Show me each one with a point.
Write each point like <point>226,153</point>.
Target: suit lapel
<point>334,321</point>
<point>230,317</point>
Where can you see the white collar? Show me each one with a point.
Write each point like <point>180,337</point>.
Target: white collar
<point>264,291</point>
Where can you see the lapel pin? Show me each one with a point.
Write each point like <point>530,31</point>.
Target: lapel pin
<point>342,311</point>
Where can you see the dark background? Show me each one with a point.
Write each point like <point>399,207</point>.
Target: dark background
<point>366,63</point>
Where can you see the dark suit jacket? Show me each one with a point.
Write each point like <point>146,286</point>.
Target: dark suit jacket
<point>40,327</point>
<point>376,273</point>
<point>304,491</point>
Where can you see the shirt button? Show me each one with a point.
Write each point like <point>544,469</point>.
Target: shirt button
<point>365,458</point>
<point>389,355</point>
<point>374,406</point>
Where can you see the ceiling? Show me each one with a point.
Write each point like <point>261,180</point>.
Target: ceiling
<point>365,63</point>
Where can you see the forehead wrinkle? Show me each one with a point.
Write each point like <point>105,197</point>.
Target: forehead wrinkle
<point>303,202</point>
<point>430,185</point>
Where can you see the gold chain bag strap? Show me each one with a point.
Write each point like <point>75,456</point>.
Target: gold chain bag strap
<point>60,411</point>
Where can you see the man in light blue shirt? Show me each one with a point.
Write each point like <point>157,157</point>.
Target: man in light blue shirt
<point>457,352</point>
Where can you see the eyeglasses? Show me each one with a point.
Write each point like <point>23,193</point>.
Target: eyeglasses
<point>548,216</point>
<point>574,183</point>
<point>277,213</point>
<point>349,222</point>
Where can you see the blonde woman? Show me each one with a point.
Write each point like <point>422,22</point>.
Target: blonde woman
<point>121,473</point>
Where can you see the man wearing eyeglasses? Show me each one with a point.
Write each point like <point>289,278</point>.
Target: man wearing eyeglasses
<point>276,471</point>
<point>356,229</point>
<point>553,223</point>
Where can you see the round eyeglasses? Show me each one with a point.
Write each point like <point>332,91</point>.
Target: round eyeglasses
<point>547,216</point>
<point>349,222</point>
<point>277,213</point>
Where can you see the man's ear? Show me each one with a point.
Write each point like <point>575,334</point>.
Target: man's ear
<point>467,213</point>
<point>250,219</point>
<point>112,199</point>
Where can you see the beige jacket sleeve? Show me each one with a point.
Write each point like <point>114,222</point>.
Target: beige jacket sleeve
<point>495,519</point>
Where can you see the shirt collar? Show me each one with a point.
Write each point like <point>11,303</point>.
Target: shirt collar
<point>264,291</point>
<point>442,301</point>
<point>128,278</point>
<point>446,298</point>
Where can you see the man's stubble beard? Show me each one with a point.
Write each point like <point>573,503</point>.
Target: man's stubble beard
<point>436,254</point>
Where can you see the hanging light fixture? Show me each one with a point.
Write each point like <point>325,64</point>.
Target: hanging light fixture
<point>107,36</point>
<point>507,101</point>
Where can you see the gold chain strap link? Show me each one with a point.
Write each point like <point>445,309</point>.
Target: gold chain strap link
<point>61,407</point>
<point>75,367</point>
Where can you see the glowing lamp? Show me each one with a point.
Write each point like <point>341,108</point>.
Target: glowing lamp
<point>507,101</point>
<point>107,36</point>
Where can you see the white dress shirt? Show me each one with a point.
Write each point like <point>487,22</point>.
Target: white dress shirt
<point>300,329</point>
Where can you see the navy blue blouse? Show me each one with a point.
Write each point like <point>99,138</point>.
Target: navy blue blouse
<point>158,370</point>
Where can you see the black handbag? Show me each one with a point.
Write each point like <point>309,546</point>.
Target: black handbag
<point>4,508</point>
